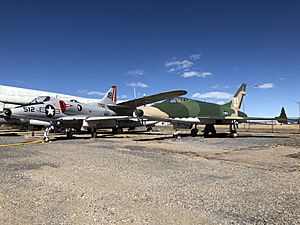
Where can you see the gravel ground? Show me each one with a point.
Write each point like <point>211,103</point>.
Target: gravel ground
<point>151,179</point>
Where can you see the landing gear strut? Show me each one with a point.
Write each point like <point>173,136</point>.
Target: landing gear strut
<point>176,134</point>
<point>69,134</point>
<point>233,129</point>
<point>46,133</point>
<point>93,132</point>
<point>209,128</point>
<point>194,131</point>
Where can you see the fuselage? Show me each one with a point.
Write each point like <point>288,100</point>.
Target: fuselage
<point>193,110</point>
<point>51,109</point>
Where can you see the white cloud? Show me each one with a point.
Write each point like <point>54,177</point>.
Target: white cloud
<point>92,93</point>
<point>188,74</point>
<point>137,85</point>
<point>97,93</point>
<point>195,56</point>
<point>137,72</point>
<point>213,95</point>
<point>179,65</point>
<point>282,78</point>
<point>265,86</point>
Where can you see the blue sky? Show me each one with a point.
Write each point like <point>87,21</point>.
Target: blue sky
<point>205,47</point>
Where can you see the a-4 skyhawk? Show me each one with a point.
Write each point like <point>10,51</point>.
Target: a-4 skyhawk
<point>55,113</point>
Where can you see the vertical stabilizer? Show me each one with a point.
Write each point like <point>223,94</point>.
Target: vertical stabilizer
<point>237,100</point>
<point>282,117</point>
<point>110,98</point>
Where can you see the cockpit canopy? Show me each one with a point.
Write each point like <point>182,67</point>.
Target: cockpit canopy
<point>40,99</point>
<point>177,99</point>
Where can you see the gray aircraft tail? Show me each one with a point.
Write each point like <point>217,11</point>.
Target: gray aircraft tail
<point>110,98</point>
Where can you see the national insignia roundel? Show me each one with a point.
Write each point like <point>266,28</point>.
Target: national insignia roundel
<point>50,111</point>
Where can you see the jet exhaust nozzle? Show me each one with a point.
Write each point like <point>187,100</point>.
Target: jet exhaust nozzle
<point>138,113</point>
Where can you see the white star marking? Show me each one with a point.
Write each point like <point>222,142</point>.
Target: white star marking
<point>50,111</point>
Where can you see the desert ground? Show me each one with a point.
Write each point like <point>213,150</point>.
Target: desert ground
<point>152,178</point>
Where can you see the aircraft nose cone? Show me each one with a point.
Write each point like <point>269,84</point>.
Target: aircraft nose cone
<point>138,113</point>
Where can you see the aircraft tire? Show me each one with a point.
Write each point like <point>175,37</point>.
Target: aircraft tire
<point>94,133</point>
<point>69,134</point>
<point>149,129</point>
<point>194,132</point>
<point>233,134</point>
<point>45,139</point>
<point>119,130</point>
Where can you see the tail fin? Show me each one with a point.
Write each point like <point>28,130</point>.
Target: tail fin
<point>237,100</point>
<point>110,98</point>
<point>282,117</point>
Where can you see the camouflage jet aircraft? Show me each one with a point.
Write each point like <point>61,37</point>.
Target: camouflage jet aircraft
<point>59,114</point>
<point>188,113</point>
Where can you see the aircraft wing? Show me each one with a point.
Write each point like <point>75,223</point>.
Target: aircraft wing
<point>260,118</point>
<point>92,121</point>
<point>152,98</point>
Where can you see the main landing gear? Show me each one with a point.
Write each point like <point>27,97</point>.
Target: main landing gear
<point>69,133</point>
<point>209,129</point>
<point>194,131</point>
<point>117,130</point>
<point>93,132</point>
<point>149,129</point>
<point>233,129</point>
<point>46,133</point>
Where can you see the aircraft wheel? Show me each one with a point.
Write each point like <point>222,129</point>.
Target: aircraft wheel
<point>93,133</point>
<point>194,132</point>
<point>233,134</point>
<point>119,130</point>
<point>149,129</point>
<point>45,139</point>
<point>69,134</point>
<point>176,135</point>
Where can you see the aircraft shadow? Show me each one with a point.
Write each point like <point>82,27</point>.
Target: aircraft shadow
<point>161,137</point>
<point>135,133</point>
<point>260,136</point>
<point>9,135</point>
<point>125,134</point>
<point>72,138</point>
<point>219,135</point>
